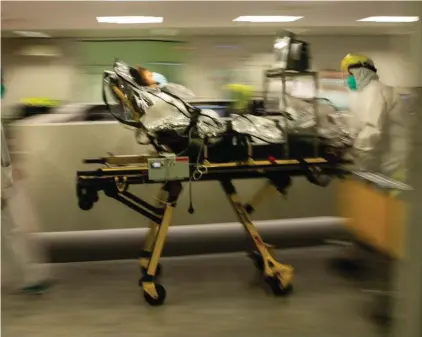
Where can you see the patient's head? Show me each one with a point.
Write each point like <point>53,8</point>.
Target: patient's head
<point>142,76</point>
<point>146,77</point>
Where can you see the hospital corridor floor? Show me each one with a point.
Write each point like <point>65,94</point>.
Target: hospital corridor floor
<point>215,295</point>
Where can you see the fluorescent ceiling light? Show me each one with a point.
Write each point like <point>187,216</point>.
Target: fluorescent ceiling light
<point>267,18</point>
<point>30,34</point>
<point>129,19</point>
<point>390,19</point>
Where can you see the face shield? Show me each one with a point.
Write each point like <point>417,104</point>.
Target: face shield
<point>349,81</point>
<point>354,61</point>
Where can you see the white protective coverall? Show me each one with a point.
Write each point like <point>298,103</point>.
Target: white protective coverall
<point>25,261</point>
<point>382,126</point>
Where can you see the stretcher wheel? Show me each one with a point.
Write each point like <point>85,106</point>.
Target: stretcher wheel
<point>85,204</point>
<point>257,259</point>
<point>155,301</point>
<point>95,197</point>
<point>277,288</point>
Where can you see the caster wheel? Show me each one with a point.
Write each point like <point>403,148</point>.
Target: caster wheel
<point>85,205</point>
<point>94,197</point>
<point>257,260</point>
<point>157,271</point>
<point>161,292</point>
<point>277,288</point>
<point>348,266</point>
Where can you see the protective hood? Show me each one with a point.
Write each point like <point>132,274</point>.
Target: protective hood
<point>363,77</point>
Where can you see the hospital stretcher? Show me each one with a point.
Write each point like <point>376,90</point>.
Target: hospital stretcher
<point>177,160</point>
<point>121,172</point>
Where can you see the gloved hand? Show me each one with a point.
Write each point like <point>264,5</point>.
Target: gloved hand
<point>364,161</point>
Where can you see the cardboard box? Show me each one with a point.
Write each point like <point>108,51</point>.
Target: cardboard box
<point>375,216</point>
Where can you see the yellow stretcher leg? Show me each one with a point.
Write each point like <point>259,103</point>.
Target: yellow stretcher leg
<point>277,275</point>
<point>152,234</point>
<point>155,293</point>
<point>266,191</point>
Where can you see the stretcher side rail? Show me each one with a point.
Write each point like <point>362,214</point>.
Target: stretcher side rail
<point>133,170</point>
<point>138,173</point>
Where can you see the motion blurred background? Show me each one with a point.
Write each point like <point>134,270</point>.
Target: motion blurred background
<point>58,50</point>
<point>53,54</point>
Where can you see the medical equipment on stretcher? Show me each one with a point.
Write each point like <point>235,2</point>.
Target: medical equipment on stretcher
<point>193,145</point>
<point>291,53</point>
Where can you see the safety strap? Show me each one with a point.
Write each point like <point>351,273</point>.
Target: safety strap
<point>138,125</point>
<point>133,124</point>
<point>363,65</point>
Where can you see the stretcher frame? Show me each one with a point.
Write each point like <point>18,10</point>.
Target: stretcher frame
<point>285,75</point>
<point>120,172</point>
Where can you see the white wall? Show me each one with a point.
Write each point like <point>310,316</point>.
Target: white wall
<point>36,76</point>
<point>253,55</point>
<point>211,60</point>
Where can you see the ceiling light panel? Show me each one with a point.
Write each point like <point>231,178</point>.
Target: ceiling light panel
<point>268,19</point>
<point>129,19</point>
<point>398,19</point>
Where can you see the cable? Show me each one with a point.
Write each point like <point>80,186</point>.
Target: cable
<point>196,175</point>
<point>191,210</point>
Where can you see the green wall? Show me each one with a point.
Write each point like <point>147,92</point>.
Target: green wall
<point>165,57</point>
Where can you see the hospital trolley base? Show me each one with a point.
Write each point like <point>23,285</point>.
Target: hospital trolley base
<point>122,171</point>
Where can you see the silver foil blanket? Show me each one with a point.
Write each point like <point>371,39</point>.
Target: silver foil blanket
<point>161,110</point>
<point>260,128</point>
<point>324,121</point>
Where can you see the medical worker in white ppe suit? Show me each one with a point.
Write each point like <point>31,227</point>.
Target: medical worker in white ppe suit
<point>28,265</point>
<point>382,125</point>
<point>381,120</point>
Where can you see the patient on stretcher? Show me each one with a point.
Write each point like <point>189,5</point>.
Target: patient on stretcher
<point>160,114</point>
